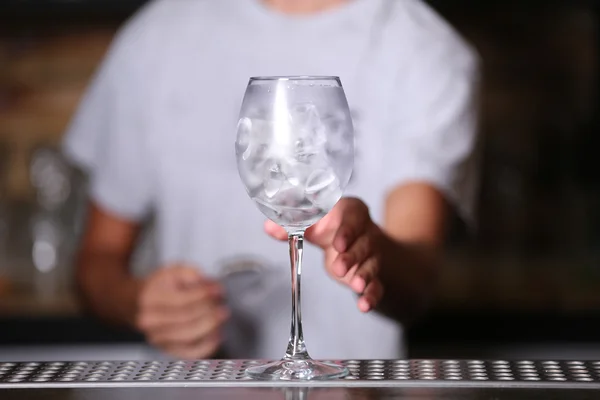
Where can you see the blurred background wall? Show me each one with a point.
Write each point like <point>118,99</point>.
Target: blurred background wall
<point>531,275</point>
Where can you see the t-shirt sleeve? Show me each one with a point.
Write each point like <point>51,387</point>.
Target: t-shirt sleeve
<point>107,136</point>
<point>433,129</point>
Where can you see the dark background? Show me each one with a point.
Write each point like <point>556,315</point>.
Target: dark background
<point>527,283</point>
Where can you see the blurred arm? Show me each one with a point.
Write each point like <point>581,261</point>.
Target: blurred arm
<point>108,139</point>
<point>102,267</point>
<point>414,226</point>
<point>433,167</point>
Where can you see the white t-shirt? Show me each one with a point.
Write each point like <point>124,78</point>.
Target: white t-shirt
<point>157,128</point>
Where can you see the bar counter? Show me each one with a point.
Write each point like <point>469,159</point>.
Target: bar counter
<point>368,379</point>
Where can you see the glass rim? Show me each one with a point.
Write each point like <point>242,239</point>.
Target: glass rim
<point>295,78</point>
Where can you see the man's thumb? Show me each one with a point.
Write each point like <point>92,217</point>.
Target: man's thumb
<point>275,231</point>
<point>186,276</point>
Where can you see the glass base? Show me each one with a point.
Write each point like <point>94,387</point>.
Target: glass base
<point>292,370</point>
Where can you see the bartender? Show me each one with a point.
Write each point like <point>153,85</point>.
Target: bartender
<point>156,130</point>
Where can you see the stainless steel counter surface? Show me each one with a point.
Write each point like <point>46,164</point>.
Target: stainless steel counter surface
<point>198,393</point>
<point>368,379</point>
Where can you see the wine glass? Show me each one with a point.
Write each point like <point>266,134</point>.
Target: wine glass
<point>295,154</point>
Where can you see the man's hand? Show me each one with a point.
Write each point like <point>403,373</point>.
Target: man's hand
<point>181,312</point>
<point>352,243</point>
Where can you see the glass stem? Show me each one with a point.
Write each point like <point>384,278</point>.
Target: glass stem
<point>296,350</point>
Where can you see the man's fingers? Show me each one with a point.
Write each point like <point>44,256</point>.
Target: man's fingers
<point>371,296</point>
<point>322,233</point>
<point>354,219</point>
<point>190,333</point>
<point>205,348</point>
<point>177,299</point>
<point>350,273</point>
<point>362,248</point>
<point>342,265</point>
<point>156,319</point>
<point>177,275</point>
<point>275,230</point>
<point>357,254</point>
<point>184,275</point>
<point>366,272</point>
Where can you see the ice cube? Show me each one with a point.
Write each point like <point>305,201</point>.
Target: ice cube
<point>308,129</point>
<point>267,209</point>
<point>298,172</point>
<point>327,198</point>
<point>339,133</point>
<point>319,180</point>
<point>305,149</point>
<point>291,196</point>
<point>272,187</point>
<point>274,180</point>
<point>262,131</point>
<point>295,172</point>
<point>305,115</point>
<point>257,155</point>
<point>254,137</point>
<point>254,169</point>
<point>294,180</point>
<point>323,189</point>
<point>242,143</point>
<point>256,158</point>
